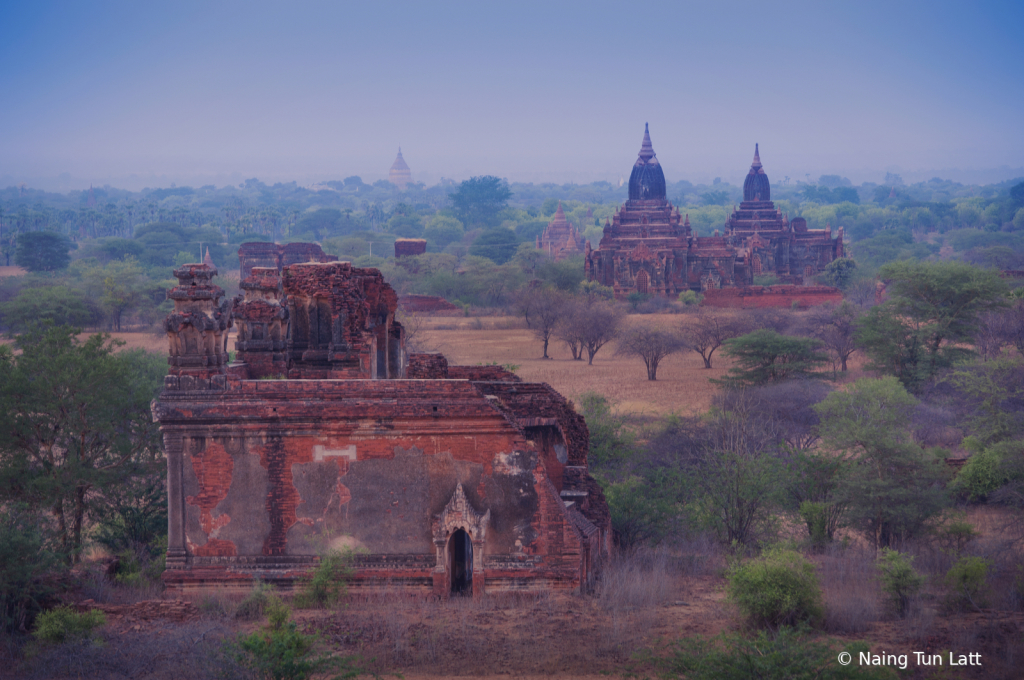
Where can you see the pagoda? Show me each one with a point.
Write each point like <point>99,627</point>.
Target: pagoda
<point>644,246</point>
<point>560,239</point>
<point>400,175</point>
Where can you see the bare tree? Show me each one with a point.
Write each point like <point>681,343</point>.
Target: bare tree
<point>706,332</point>
<point>836,327</point>
<point>542,307</point>
<point>599,326</point>
<point>650,344</point>
<point>570,329</point>
<point>993,332</point>
<point>1015,326</point>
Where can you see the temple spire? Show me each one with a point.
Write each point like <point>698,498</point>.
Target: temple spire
<point>646,149</point>
<point>757,158</point>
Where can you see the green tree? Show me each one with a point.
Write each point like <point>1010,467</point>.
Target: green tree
<point>441,231</point>
<point>638,515</point>
<point>735,473</point>
<point>74,419</point>
<point>478,201</point>
<point>893,486</point>
<point>938,303</point>
<point>839,272</point>
<point>498,245</point>
<point>120,287</point>
<point>766,356</point>
<point>58,305</point>
<point>43,251</point>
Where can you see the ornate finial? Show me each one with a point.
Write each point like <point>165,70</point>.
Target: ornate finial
<point>646,149</point>
<point>559,214</point>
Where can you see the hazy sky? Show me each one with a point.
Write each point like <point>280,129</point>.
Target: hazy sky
<point>144,94</point>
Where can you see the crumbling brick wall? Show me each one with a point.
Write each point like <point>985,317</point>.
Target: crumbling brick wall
<point>772,296</point>
<point>263,475</point>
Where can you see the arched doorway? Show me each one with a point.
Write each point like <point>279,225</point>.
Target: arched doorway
<point>642,282</point>
<point>460,563</point>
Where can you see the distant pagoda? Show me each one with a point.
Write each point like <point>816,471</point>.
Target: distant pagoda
<point>400,174</point>
<point>561,239</point>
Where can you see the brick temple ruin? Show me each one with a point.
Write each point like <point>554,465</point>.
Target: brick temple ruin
<point>648,247</point>
<point>325,433</point>
<point>561,239</point>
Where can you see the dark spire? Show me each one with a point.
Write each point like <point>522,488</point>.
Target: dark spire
<point>757,158</point>
<point>647,181</point>
<point>646,149</point>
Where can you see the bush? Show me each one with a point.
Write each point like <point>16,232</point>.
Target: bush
<point>899,580</point>
<point>259,600</point>
<point>787,654</point>
<point>281,651</point>
<point>954,534</point>
<point>778,589</point>
<point>25,558</point>
<point>967,583</point>
<point>63,624</point>
<point>986,470</point>
<point>328,582</point>
<point>688,297</point>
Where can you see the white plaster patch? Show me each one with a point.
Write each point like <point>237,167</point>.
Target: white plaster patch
<point>321,453</point>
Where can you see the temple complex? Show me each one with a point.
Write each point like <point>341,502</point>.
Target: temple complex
<point>649,248</point>
<point>561,239</point>
<point>400,175</point>
<point>326,434</point>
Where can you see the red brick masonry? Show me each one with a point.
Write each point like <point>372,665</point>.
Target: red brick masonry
<point>772,296</point>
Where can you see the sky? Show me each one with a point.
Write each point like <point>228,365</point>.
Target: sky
<point>136,94</point>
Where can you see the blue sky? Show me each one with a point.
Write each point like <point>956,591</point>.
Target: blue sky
<point>145,94</point>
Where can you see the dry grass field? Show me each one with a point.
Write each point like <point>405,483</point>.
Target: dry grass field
<point>682,386</point>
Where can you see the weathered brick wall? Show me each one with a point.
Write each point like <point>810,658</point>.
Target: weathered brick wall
<point>274,471</point>
<point>488,373</point>
<point>772,296</point>
<point>405,247</point>
<point>423,304</point>
<point>262,254</point>
<point>427,366</point>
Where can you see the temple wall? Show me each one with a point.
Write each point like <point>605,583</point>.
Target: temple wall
<point>275,472</point>
<point>772,296</point>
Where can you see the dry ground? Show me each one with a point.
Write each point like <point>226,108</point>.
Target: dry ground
<point>682,386</point>
<point>641,606</point>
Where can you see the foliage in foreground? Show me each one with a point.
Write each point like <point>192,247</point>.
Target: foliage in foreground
<point>280,651</point>
<point>328,582</point>
<point>778,589</point>
<point>63,624</point>
<point>900,582</point>
<point>25,557</point>
<point>786,654</point>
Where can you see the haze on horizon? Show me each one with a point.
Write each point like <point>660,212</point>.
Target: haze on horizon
<point>134,95</point>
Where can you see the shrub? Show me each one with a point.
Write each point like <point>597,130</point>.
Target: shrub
<point>816,516</point>
<point>967,583</point>
<point>954,534</point>
<point>257,602</point>
<point>327,584</point>
<point>63,624</point>
<point>778,589</point>
<point>282,652</point>
<point>899,580</point>
<point>786,654</point>
<point>25,557</point>
<point>689,297</point>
